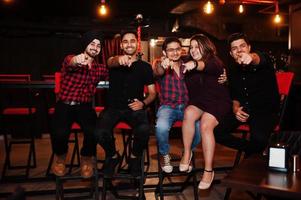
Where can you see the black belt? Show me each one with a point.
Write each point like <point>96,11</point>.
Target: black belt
<point>72,103</point>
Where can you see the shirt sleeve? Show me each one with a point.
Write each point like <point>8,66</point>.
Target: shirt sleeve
<point>104,72</point>
<point>149,78</point>
<point>264,62</point>
<point>66,64</point>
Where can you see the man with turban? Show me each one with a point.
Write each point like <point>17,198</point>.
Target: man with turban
<point>80,75</point>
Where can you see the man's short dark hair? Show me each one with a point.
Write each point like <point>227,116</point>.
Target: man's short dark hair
<point>237,36</point>
<point>124,32</point>
<point>170,40</point>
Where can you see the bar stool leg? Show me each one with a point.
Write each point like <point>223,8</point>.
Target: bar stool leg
<point>160,174</point>
<point>96,179</point>
<point>75,153</point>
<point>227,194</point>
<point>7,160</point>
<point>141,181</point>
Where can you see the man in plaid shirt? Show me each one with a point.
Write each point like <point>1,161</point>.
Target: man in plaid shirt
<point>80,75</point>
<point>173,97</point>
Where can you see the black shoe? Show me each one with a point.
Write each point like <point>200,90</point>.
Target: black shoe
<point>110,165</point>
<point>135,166</point>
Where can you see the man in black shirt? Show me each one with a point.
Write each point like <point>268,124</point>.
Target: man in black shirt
<point>127,76</point>
<point>255,96</point>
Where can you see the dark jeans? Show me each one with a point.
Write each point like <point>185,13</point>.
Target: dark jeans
<point>110,117</point>
<point>64,117</point>
<point>261,127</point>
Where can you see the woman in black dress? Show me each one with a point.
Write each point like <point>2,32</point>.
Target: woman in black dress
<point>209,101</point>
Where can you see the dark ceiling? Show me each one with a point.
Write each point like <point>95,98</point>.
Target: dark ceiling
<point>82,14</point>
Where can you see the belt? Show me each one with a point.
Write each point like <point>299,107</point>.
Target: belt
<point>72,103</point>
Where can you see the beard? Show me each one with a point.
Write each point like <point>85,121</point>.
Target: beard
<point>92,53</point>
<point>130,51</point>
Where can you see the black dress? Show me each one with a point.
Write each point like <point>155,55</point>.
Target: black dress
<point>205,92</point>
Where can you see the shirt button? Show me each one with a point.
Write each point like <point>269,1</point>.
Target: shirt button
<point>245,88</point>
<point>243,78</point>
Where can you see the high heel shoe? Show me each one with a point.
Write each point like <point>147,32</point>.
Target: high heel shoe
<point>205,185</point>
<point>186,167</point>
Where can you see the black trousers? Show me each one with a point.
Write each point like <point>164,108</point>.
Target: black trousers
<point>261,126</point>
<point>108,119</point>
<point>64,116</point>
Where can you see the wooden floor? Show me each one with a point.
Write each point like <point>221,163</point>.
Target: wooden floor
<point>44,188</point>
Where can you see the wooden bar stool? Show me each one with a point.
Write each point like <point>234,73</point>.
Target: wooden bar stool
<point>178,187</point>
<point>19,104</point>
<point>93,190</point>
<point>127,139</point>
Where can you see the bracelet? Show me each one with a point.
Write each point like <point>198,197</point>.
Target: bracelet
<point>196,64</point>
<point>144,105</point>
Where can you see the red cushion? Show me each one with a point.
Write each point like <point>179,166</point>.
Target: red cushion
<point>51,111</point>
<point>243,127</point>
<point>75,126</point>
<point>246,128</point>
<point>123,125</point>
<point>177,124</point>
<point>18,111</point>
<point>99,108</point>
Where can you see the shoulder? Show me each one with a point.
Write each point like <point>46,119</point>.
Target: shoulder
<point>68,57</point>
<point>214,60</point>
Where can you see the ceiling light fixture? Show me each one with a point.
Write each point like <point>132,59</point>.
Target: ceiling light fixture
<point>208,8</point>
<point>277,17</point>
<point>240,8</point>
<point>103,10</point>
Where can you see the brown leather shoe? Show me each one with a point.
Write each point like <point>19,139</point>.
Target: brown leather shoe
<point>86,167</point>
<point>59,167</point>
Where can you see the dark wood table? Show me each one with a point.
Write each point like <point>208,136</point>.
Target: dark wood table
<point>253,175</point>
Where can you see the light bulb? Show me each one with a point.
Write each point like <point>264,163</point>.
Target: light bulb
<point>152,42</point>
<point>208,8</point>
<point>102,10</point>
<point>277,19</point>
<point>241,8</point>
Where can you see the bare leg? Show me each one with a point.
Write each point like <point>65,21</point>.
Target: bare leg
<point>191,115</point>
<point>208,123</point>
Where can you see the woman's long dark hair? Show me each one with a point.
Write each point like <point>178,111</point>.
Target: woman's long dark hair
<point>207,48</point>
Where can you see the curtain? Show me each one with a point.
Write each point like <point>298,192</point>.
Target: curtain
<point>111,48</point>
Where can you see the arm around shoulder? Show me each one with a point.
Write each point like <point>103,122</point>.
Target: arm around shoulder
<point>113,61</point>
<point>158,70</point>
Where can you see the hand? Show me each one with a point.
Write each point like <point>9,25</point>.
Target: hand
<point>136,105</point>
<point>190,65</point>
<point>126,60</point>
<point>222,78</point>
<point>166,63</point>
<point>241,115</point>
<point>244,58</point>
<point>80,60</point>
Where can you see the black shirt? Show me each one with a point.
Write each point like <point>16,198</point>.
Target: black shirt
<point>128,83</point>
<point>255,86</point>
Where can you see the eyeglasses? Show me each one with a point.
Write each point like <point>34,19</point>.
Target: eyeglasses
<point>173,50</point>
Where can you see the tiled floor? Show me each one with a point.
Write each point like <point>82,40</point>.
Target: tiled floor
<point>224,157</point>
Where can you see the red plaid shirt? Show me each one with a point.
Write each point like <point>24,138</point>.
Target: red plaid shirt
<point>173,89</point>
<point>79,83</point>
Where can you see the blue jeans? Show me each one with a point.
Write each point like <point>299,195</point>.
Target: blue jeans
<point>166,116</point>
